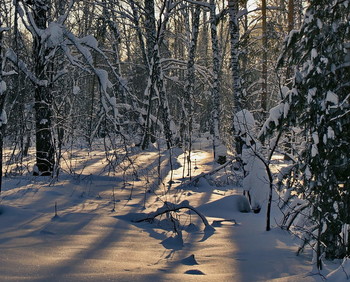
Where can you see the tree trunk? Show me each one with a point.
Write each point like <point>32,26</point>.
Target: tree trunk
<point>234,35</point>
<point>45,150</point>
<point>264,58</point>
<point>150,26</point>
<point>2,104</point>
<point>236,79</point>
<point>290,15</point>
<point>190,83</point>
<point>216,81</point>
<point>289,73</point>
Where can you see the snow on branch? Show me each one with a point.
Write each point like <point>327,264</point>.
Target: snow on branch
<point>11,55</point>
<point>171,207</point>
<point>2,29</point>
<point>201,3</point>
<point>277,114</point>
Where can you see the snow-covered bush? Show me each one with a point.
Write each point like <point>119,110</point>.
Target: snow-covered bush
<point>255,183</point>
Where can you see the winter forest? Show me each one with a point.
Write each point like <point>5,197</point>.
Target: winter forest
<point>168,140</point>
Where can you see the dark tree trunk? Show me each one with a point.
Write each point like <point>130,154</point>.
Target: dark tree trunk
<point>45,150</point>
<point>216,80</point>
<point>234,36</point>
<point>264,58</point>
<point>2,103</point>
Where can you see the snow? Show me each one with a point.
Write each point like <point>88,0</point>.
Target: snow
<point>244,122</point>
<point>76,90</point>
<point>44,121</point>
<point>342,273</point>
<point>2,87</point>
<point>256,182</point>
<point>275,114</point>
<point>311,93</point>
<point>3,117</point>
<point>53,35</point>
<point>89,41</point>
<point>319,24</point>
<point>332,98</point>
<point>315,138</point>
<point>330,133</point>
<point>105,83</point>
<point>88,241</point>
<point>308,174</point>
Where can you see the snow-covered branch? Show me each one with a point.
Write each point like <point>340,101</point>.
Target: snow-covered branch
<point>11,55</point>
<point>171,207</point>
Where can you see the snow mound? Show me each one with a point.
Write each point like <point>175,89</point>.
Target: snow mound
<point>223,207</point>
<point>342,273</point>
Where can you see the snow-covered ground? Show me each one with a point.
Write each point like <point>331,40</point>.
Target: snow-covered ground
<point>93,236</point>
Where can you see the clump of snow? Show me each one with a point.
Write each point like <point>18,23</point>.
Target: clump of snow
<point>284,91</point>
<point>103,79</point>
<point>44,121</point>
<point>244,125</point>
<point>308,173</point>
<point>89,41</point>
<point>244,122</point>
<point>53,36</point>
<point>275,114</point>
<point>332,97</point>
<point>315,138</point>
<point>3,118</point>
<point>3,87</point>
<point>330,133</point>
<point>311,93</point>
<point>76,90</point>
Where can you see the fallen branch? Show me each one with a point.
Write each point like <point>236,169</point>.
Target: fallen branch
<point>171,207</point>
<point>203,174</point>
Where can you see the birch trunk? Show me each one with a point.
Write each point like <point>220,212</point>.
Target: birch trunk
<point>234,36</point>
<point>190,84</point>
<point>216,81</point>
<point>236,79</point>
<point>150,26</point>
<point>264,58</point>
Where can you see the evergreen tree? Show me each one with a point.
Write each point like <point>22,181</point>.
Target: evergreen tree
<point>319,104</point>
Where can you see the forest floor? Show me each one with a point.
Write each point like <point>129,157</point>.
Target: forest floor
<point>93,237</point>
